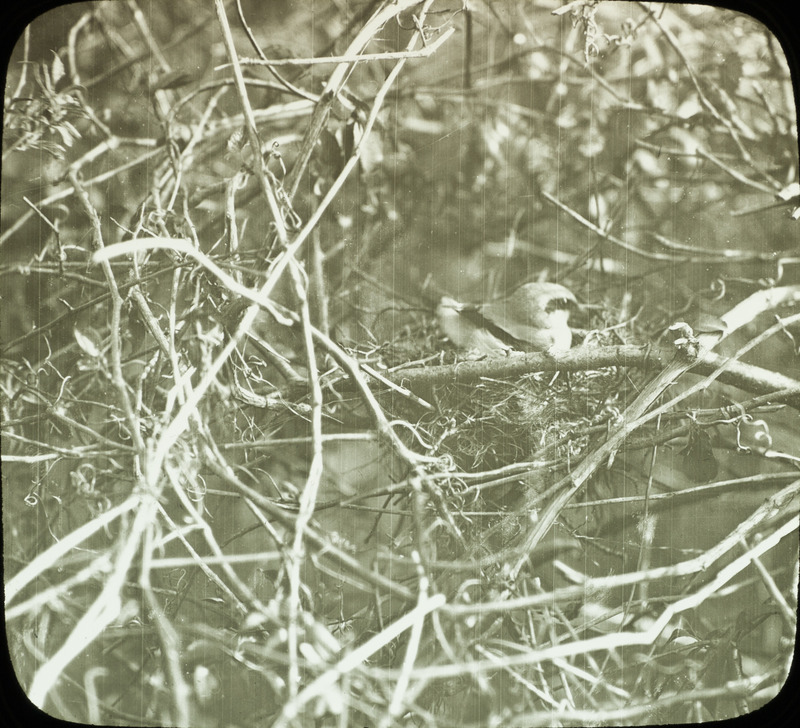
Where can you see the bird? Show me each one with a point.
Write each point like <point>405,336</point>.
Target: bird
<point>534,317</point>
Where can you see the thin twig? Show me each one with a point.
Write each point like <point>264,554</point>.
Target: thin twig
<point>360,58</point>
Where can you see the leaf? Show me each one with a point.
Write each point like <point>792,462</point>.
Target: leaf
<point>699,463</point>
<point>58,71</point>
<point>789,192</point>
<point>87,345</point>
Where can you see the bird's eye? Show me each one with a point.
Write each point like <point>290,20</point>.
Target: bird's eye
<point>558,304</point>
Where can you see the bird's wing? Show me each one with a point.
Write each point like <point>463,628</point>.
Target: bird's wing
<point>537,333</point>
<point>495,322</point>
<point>467,328</point>
<point>496,317</point>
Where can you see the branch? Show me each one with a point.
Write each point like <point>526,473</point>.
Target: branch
<point>639,411</point>
<point>748,377</point>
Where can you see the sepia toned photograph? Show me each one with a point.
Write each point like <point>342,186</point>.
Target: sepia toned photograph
<point>387,363</point>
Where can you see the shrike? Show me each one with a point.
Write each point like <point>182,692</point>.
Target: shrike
<point>533,318</point>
